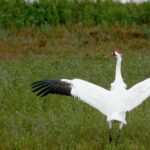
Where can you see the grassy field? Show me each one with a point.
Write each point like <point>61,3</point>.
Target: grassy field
<point>63,123</point>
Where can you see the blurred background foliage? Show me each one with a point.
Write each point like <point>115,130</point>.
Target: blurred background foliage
<point>18,13</point>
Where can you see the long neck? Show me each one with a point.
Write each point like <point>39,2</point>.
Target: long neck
<point>118,75</point>
<point>118,82</point>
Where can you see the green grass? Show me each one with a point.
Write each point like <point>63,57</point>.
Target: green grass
<point>58,122</point>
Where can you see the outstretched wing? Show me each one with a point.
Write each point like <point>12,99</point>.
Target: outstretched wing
<point>137,94</point>
<point>46,87</point>
<point>90,93</point>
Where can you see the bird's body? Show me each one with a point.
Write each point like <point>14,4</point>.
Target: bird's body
<point>113,103</point>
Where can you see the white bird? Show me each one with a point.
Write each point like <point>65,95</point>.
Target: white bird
<point>113,103</point>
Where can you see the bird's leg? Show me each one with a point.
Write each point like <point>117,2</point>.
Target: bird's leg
<point>110,131</point>
<point>118,134</point>
<point>110,136</point>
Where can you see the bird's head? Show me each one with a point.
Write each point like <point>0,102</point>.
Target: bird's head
<point>117,53</point>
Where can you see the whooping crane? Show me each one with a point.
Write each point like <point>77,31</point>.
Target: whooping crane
<point>113,103</point>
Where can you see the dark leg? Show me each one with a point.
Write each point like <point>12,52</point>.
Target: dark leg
<point>110,136</point>
<point>110,131</point>
<point>118,136</point>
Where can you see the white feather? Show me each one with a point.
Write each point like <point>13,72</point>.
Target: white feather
<point>91,94</point>
<point>137,94</point>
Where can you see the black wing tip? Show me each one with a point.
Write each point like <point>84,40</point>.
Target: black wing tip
<point>39,82</point>
<point>42,82</point>
<point>36,86</point>
<point>45,87</point>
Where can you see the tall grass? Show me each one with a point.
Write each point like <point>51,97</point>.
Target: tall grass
<point>65,12</point>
